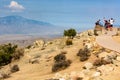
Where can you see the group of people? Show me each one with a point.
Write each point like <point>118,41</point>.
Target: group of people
<point>108,24</point>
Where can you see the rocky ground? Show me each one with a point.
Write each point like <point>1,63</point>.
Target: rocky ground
<point>102,63</point>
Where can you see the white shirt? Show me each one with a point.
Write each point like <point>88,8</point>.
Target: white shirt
<point>111,21</point>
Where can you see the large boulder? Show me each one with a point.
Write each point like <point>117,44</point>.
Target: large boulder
<point>105,69</point>
<point>107,57</point>
<point>116,62</point>
<point>34,61</point>
<point>118,58</point>
<point>39,43</point>
<point>96,74</point>
<point>90,32</point>
<point>59,76</point>
<point>78,36</point>
<point>84,34</point>
<point>88,45</point>
<point>98,30</point>
<point>88,65</point>
<point>112,55</point>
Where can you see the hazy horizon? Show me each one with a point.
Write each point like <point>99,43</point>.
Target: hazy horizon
<point>68,13</point>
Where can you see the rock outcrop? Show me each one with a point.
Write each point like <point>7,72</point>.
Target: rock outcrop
<point>98,30</point>
<point>39,44</point>
<point>88,65</point>
<point>85,34</point>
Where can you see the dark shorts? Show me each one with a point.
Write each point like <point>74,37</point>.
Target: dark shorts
<point>111,25</point>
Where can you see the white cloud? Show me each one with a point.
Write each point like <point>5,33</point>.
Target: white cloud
<point>15,6</point>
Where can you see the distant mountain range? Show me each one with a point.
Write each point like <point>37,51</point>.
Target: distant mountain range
<point>21,25</point>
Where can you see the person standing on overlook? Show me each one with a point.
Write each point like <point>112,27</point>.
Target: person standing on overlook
<point>111,21</point>
<point>98,22</point>
<point>106,24</point>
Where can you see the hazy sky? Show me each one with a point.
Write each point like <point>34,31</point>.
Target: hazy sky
<point>69,13</point>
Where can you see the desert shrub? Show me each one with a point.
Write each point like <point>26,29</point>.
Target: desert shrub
<point>70,32</point>
<point>99,62</point>
<point>5,58</point>
<point>18,53</point>
<point>60,62</point>
<point>69,61</point>
<point>6,52</point>
<point>69,42</point>
<point>4,76</point>
<point>83,54</point>
<point>79,78</point>
<point>118,29</point>
<point>29,46</point>
<point>95,33</point>
<point>83,58</point>
<point>60,57</point>
<point>9,52</point>
<point>14,68</point>
<point>60,65</point>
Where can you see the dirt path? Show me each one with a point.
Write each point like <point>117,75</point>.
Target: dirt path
<point>107,41</point>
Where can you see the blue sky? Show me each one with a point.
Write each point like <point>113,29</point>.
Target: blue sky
<point>68,13</point>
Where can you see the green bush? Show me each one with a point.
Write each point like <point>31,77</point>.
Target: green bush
<point>6,52</point>
<point>70,32</point>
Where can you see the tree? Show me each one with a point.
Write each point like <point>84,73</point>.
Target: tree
<point>70,32</point>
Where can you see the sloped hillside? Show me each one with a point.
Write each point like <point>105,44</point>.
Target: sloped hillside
<point>37,63</point>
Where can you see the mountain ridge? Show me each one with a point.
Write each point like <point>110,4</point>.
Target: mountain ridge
<point>20,18</point>
<point>19,25</point>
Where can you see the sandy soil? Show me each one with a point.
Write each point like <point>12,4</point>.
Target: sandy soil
<point>116,38</point>
<point>42,70</point>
